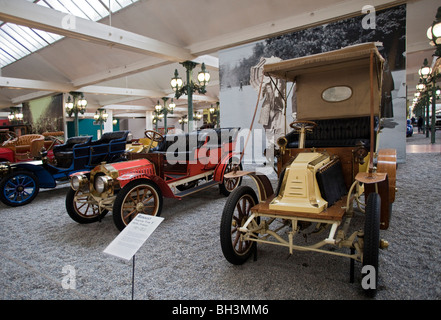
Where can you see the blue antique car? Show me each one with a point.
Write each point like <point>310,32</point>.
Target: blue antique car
<point>21,182</point>
<point>409,128</point>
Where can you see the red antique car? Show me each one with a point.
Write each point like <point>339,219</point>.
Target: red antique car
<point>19,148</point>
<point>181,164</point>
<point>26,147</point>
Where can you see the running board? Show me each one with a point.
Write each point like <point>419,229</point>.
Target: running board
<point>196,189</point>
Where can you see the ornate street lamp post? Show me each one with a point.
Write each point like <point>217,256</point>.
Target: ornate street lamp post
<point>429,81</point>
<point>182,121</point>
<point>424,73</point>
<point>180,88</point>
<point>164,110</point>
<point>15,116</point>
<point>155,120</point>
<point>100,117</point>
<point>74,106</point>
<point>434,33</point>
<point>214,114</point>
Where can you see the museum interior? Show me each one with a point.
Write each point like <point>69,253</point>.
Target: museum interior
<point>117,77</point>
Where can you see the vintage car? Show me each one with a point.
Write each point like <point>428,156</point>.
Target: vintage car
<point>21,181</point>
<point>142,145</point>
<point>409,129</point>
<point>329,166</point>
<point>19,148</point>
<point>181,164</point>
<point>28,146</point>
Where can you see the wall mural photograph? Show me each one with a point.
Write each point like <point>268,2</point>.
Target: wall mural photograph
<point>241,72</point>
<point>44,114</point>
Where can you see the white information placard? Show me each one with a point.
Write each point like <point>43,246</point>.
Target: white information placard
<point>128,242</point>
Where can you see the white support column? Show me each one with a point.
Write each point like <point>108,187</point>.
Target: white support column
<point>108,125</point>
<point>64,116</point>
<point>148,120</point>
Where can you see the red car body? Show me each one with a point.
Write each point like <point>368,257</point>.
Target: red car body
<point>180,165</point>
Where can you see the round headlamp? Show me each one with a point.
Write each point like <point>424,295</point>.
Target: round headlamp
<point>78,182</point>
<point>102,183</point>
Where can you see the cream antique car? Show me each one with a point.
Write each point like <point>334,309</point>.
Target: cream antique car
<point>329,167</point>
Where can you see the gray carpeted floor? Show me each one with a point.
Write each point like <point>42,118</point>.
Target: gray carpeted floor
<point>40,244</point>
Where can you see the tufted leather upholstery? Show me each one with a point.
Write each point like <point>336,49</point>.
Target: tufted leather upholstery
<point>344,132</point>
<point>29,145</point>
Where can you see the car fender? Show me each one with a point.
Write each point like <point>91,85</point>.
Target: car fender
<point>163,186</point>
<point>6,155</point>
<point>79,173</point>
<point>219,171</point>
<point>45,179</point>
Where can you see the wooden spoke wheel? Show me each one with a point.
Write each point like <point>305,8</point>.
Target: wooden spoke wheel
<point>83,208</point>
<point>230,184</point>
<point>236,212</point>
<point>140,196</point>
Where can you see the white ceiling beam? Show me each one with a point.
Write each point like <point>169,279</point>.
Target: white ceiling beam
<point>121,91</point>
<point>122,71</point>
<point>17,83</point>
<point>211,62</point>
<point>32,96</point>
<point>341,10</point>
<point>26,13</point>
<point>129,115</point>
<point>126,107</point>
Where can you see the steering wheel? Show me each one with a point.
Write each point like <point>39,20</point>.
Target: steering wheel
<point>12,138</point>
<point>301,126</point>
<point>154,136</point>
<point>54,141</point>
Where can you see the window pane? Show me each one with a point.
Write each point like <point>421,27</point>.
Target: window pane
<point>19,41</point>
<point>56,5</point>
<point>102,10</point>
<point>49,37</point>
<point>5,59</point>
<point>114,5</point>
<point>31,34</point>
<point>73,9</point>
<point>22,37</point>
<point>12,46</point>
<point>88,10</point>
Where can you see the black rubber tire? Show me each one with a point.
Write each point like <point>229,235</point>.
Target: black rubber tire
<point>229,233</point>
<point>372,237</point>
<point>13,185</point>
<point>74,209</point>
<point>121,201</point>
<point>229,185</point>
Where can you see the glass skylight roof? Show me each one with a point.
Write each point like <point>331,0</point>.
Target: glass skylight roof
<point>18,41</point>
